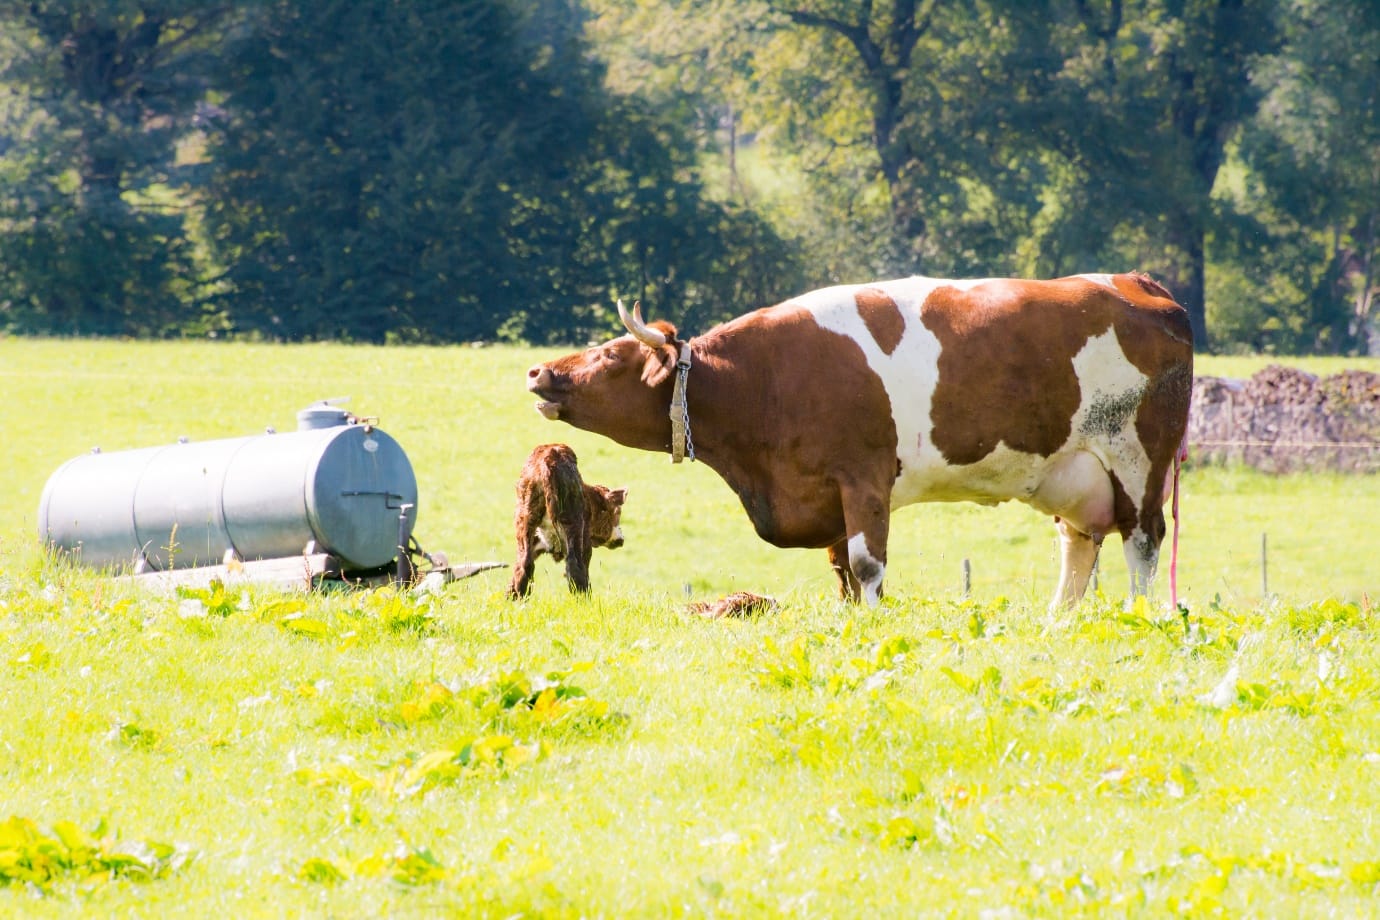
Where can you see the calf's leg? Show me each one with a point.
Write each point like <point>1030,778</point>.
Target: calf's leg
<point>526,520</point>
<point>577,553</point>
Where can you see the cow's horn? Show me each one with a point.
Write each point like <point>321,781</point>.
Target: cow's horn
<point>640,330</point>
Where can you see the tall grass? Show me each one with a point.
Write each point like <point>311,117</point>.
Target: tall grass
<point>360,754</point>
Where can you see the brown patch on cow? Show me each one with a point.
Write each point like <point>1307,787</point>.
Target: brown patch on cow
<point>1006,364</point>
<point>558,513</point>
<point>820,422</point>
<point>1123,508</point>
<point>738,604</point>
<point>1143,281</point>
<point>882,317</point>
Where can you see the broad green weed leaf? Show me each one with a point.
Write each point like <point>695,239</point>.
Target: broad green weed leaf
<point>1365,873</point>
<point>135,736</point>
<point>278,609</point>
<point>74,838</point>
<point>302,625</point>
<point>214,599</point>
<point>428,767</point>
<point>320,870</point>
<point>963,681</point>
<point>31,854</point>
<point>35,656</point>
<point>417,867</point>
<point>902,832</point>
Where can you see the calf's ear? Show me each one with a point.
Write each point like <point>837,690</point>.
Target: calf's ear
<point>617,496</point>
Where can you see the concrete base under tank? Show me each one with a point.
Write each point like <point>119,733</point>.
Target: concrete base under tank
<point>295,573</point>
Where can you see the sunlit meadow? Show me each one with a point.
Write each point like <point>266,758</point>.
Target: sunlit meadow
<point>374,753</point>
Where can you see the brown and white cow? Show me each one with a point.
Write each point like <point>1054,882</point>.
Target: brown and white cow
<point>830,410</point>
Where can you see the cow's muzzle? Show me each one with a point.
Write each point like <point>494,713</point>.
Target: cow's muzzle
<point>540,382</point>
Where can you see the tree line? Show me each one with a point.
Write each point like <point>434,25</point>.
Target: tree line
<point>457,170</point>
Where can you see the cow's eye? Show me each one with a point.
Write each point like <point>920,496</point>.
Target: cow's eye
<point>611,356</point>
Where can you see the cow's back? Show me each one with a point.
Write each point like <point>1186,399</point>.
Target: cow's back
<point>990,381</point>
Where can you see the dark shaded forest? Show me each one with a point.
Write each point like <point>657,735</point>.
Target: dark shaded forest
<point>501,170</point>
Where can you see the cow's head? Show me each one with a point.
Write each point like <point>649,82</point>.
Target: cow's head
<point>620,389</point>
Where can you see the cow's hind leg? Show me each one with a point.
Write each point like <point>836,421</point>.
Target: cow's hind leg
<point>1078,552</point>
<point>1142,547</point>
<point>1082,496</point>
<point>849,589</point>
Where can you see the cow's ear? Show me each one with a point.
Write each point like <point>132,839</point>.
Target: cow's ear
<point>659,364</point>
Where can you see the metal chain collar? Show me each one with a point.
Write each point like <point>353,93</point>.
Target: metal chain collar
<point>682,444</point>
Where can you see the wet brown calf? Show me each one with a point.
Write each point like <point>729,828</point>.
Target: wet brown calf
<point>558,513</point>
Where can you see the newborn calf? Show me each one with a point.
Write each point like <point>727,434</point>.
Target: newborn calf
<point>558,514</point>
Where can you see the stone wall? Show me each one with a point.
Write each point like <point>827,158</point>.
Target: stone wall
<point>1284,420</point>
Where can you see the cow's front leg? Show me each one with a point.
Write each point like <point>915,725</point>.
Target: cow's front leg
<point>866,518</point>
<point>849,589</point>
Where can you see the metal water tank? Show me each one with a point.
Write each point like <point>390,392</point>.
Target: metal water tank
<point>336,485</point>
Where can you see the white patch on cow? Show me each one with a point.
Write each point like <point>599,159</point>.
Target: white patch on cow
<point>863,563</point>
<point>909,374</point>
<point>1103,279</point>
<point>1105,424</point>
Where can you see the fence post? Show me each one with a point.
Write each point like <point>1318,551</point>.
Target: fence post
<point>967,579</point>
<point>1264,566</point>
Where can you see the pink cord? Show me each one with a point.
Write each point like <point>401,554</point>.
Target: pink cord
<point>1179,456</point>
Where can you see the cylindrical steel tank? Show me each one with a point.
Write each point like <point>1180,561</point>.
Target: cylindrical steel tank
<point>334,486</point>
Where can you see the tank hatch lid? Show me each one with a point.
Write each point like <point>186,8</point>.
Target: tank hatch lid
<point>325,413</point>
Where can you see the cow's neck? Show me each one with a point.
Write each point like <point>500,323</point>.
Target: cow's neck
<point>724,416</point>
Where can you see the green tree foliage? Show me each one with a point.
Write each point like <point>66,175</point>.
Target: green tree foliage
<point>1311,198</point>
<point>1150,94</point>
<point>98,95</point>
<point>446,170</point>
<point>1004,135</point>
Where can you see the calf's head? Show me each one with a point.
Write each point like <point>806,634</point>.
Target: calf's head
<point>604,508</point>
<point>619,389</point>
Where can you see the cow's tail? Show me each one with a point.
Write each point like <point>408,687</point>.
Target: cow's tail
<point>1180,456</point>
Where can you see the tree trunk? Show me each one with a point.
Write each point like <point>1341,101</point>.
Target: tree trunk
<point>1366,330</point>
<point>1189,284</point>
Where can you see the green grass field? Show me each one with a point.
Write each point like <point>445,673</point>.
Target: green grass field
<point>361,754</point>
